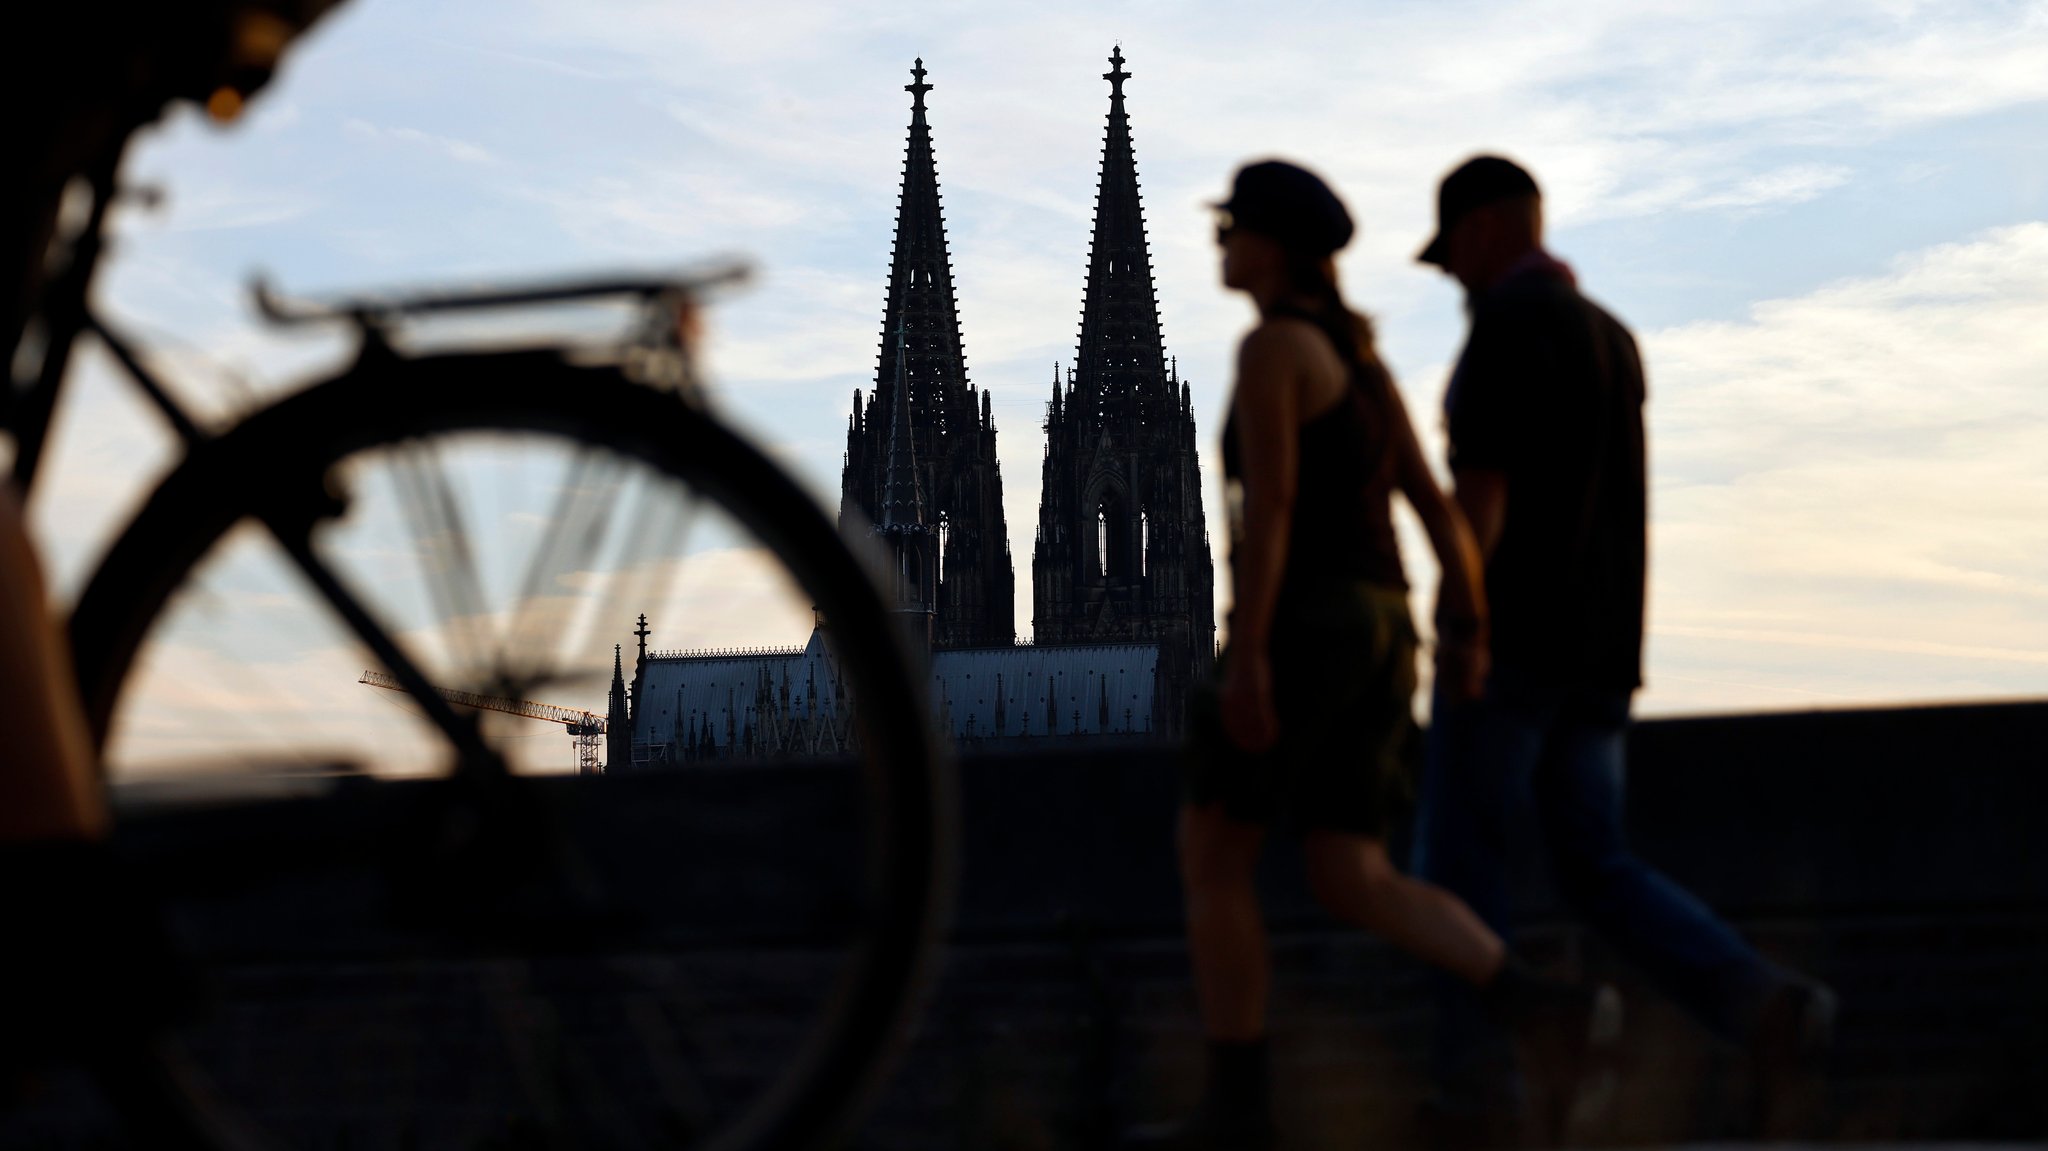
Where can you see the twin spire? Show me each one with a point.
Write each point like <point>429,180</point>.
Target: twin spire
<point>1121,356</point>
<point>920,345</point>
<point>921,465</point>
<point>1120,367</point>
<point>1121,351</point>
<point>1122,552</point>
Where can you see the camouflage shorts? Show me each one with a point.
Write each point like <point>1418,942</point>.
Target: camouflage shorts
<point>1344,686</point>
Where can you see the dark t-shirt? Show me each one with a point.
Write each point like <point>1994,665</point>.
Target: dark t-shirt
<point>1549,391</point>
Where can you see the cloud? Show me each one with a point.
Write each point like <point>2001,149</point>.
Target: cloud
<point>1793,185</point>
<point>462,151</point>
<point>1859,468</point>
<point>1944,349</point>
<point>1834,641</point>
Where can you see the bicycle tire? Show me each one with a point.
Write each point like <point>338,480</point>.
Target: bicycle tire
<point>387,400</point>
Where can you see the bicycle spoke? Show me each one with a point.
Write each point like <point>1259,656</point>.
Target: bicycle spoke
<point>442,543</point>
<point>472,753</point>
<point>528,653</point>
<point>651,545</point>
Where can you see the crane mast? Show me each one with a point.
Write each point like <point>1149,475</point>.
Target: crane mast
<point>585,728</point>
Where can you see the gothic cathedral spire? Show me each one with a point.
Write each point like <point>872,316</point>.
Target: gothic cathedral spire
<point>1122,553</point>
<point>1122,357</point>
<point>952,434</point>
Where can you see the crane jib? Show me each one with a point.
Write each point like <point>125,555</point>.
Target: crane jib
<point>584,726</point>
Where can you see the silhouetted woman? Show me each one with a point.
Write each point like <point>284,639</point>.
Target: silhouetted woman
<point>1312,722</point>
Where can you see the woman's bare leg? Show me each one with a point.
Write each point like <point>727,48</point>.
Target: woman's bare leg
<point>1355,881</point>
<point>1226,936</point>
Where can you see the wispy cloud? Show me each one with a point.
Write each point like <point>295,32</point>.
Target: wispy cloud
<point>1792,185</point>
<point>462,151</point>
<point>1862,465</point>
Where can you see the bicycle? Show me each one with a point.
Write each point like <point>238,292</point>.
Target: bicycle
<point>485,862</point>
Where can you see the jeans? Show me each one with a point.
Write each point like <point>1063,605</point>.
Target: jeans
<point>1532,748</point>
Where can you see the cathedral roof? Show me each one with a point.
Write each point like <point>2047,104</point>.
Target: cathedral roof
<point>715,696</point>
<point>1089,690</point>
<point>1086,690</point>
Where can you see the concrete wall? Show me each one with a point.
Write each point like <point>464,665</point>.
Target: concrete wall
<point>1895,853</point>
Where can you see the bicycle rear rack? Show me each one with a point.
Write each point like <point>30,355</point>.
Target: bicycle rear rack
<point>378,309</point>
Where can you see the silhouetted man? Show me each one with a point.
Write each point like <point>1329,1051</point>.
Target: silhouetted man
<point>1545,412</point>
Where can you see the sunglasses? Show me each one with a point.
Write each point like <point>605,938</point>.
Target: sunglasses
<point>1225,225</point>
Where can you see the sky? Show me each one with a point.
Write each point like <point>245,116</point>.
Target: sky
<point>1826,223</point>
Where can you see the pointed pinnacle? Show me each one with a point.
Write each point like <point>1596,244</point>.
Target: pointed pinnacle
<point>902,490</point>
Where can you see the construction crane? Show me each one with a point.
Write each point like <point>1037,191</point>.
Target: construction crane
<point>586,728</point>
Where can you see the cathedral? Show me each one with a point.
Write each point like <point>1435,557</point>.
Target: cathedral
<point>1123,613</point>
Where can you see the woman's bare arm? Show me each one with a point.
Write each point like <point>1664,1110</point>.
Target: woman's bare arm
<point>48,788</point>
<point>1268,407</point>
<point>1483,496</point>
<point>1267,404</point>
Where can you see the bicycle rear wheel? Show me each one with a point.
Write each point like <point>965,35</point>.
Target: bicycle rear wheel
<point>627,913</point>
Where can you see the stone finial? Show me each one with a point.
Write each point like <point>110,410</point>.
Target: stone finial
<point>1116,74</point>
<point>917,87</point>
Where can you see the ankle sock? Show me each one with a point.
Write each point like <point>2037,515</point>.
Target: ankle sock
<point>1240,1076</point>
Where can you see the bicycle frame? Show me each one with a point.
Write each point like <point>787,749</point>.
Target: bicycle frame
<point>62,315</point>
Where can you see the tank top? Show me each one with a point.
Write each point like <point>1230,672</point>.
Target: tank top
<point>1343,529</point>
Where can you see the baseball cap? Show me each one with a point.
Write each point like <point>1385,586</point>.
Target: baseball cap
<point>1289,203</point>
<point>1477,182</point>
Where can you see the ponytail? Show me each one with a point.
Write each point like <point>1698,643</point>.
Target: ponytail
<point>1351,332</point>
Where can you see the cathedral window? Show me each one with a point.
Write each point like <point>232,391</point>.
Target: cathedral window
<point>1113,538</point>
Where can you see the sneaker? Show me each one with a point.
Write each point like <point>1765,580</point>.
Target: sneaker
<point>1568,1034</point>
<point>1599,1081</point>
<point>1797,1024</point>
<point>1788,1057</point>
<point>1236,1111</point>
